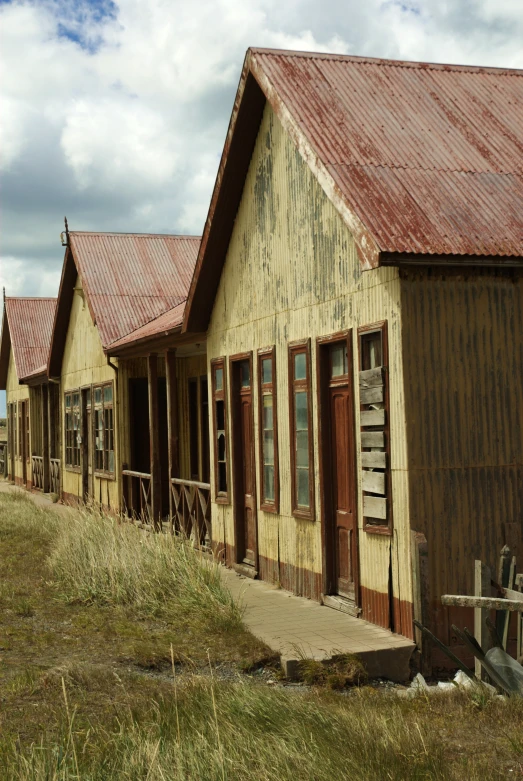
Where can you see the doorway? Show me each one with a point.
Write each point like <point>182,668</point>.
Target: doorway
<point>338,470</point>
<point>244,478</point>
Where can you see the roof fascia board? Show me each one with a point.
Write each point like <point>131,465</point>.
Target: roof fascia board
<point>5,349</point>
<point>368,250</point>
<point>85,286</point>
<point>156,344</point>
<point>62,314</point>
<point>481,261</point>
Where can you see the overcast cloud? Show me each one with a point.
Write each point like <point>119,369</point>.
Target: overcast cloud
<point>115,113</point>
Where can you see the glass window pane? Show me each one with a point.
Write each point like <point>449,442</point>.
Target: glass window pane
<point>268,447</point>
<point>302,449</point>
<point>76,399</point>
<point>220,415</point>
<point>339,364</point>
<point>268,483</point>
<point>68,400</point>
<point>97,395</point>
<point>267,412</point>
<point>300,403</point>
<point>218,379</point>
<point>245,373</point>
<point>300,366</point>
<point>88,397</point>
<point>221,445</point>
<point>222,477</point>
<point>266,370</point>
<point>302,487</point>
<point>108,393</point>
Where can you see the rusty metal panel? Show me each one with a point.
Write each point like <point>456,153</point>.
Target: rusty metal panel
<point>30,322</point>
<point>167,322</point>
<point>463,361</point>
<point>131,279</point>
<point>428,156</point>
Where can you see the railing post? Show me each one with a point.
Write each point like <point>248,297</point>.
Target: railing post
<point>125,490</point>
<point>156,484</point>
<point>45,440</point>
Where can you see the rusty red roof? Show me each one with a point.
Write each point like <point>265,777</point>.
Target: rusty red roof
<point>421,160</point>
<point>27,329</point>
<point>161,326</point>
<point>129,279</point>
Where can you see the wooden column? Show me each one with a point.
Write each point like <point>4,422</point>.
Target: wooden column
<point>45,438</point>
<point>172,422</point>
<point>154,441</point>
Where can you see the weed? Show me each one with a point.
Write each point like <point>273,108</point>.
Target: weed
<point>339,672</point>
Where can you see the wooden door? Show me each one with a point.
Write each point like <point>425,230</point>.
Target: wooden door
<point>339,471</point>
<point>243,464</point>
<point>87,449</point>
<point>25,441</point>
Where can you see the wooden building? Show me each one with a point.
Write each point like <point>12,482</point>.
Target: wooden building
<point>359,279</point>
<point>32,411</point>
<point>115,287</point>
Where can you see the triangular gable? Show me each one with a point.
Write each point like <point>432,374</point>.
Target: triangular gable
<point>421,161</point>
<point>128,281</point>
<point>26,329</point>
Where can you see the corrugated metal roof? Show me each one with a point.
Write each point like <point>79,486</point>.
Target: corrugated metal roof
<point>161,325</point>
<point>30,323</point>
<point>131,279</point>
<point>429,157</point>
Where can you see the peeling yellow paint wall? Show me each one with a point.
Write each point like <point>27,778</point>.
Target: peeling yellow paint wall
<point>16,393</point>
<point>85,364</point>
<point>292,272</point>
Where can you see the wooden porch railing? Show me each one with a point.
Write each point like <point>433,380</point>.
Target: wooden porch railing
<point>54,475</point>
<point>137,494</point>
<point>37,464</point>
<point>191,508</point>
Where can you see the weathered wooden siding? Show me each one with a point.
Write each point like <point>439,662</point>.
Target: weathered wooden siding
<point>16,393</point>
<point>463,360</point>
<point>83,364</point>
<point>292,272</point>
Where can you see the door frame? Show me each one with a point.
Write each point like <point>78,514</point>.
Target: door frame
<point>237,465</point>
<point>324,455</point>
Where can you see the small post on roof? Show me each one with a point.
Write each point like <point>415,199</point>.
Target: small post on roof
<point>154,442</point>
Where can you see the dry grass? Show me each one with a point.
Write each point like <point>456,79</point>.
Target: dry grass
<point>102,679</point>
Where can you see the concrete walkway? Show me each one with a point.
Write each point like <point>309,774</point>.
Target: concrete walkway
<point>295,627</point>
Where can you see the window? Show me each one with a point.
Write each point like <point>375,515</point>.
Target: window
<point>374,421</point>
<point>103,428</point>
<point>221,476</point>
<point>302,467</point>
<point>268,430</point>
<point>72,429</point>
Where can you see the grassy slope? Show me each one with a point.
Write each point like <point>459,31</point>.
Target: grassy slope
<point>87,690</point>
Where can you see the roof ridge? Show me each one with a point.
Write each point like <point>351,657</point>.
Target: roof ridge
<point>123,233</point>
<point>358,59</point>
<point>31,298</point>
<point>392,167</point>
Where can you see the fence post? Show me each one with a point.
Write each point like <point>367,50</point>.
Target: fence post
<point>482,588</point>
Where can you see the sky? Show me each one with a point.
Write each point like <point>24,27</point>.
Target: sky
<point>115,113</point>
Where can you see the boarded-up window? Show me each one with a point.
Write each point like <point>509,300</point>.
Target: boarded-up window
<point>374,423</point>
<point>219,392</point>
<point>302,465</point>
<point>268,430</point>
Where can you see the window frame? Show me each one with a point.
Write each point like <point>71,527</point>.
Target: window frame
<point>72,409</point>
<point>268,506</point>
<point>103,406</point>
<point>294,348</point>
<point>385,528</point>
<point>220,497</point>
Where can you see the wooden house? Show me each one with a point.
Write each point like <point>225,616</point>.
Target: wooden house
<point>360,282</point>
<point>115,289</point>
<point>32,403</point>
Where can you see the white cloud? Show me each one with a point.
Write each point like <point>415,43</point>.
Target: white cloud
<point>122,128</point>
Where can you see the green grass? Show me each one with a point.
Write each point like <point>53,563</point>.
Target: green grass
<point>123,656</point>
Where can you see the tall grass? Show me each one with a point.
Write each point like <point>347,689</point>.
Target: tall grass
<point>99,559</point>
